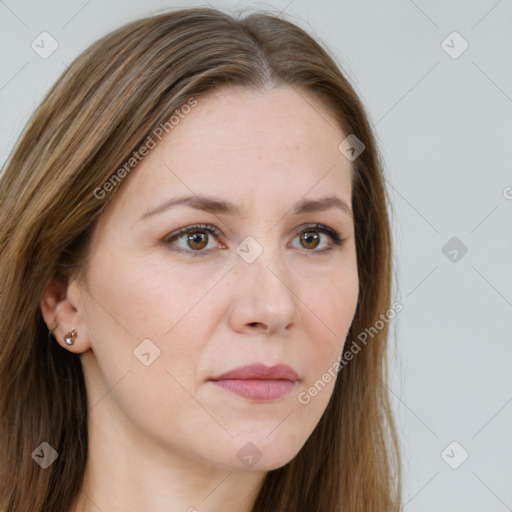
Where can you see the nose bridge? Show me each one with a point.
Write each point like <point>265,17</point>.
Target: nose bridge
<point>268,280</point>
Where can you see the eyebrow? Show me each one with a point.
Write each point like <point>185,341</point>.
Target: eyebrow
<point>220,206</point>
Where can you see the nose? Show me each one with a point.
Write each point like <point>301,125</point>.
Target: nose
<point>265,300</point>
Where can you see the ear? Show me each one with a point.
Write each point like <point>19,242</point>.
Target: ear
<point>62,309</point>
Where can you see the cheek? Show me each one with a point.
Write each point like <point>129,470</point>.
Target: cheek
<point>150,307</point>
<point>146,339</point>
<point>143,295</point>
<point>330,311</point>
<point>331,305</point>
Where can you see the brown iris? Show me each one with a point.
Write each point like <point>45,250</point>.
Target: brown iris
<point>310,238</point>
<point>197,240</point>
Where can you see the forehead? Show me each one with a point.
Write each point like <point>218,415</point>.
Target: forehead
<point>255,147</point>
<point>281,121</point>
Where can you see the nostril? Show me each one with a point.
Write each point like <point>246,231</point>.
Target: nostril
<point>258,325</point>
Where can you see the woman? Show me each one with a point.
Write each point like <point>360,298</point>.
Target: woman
<point>195,251</point>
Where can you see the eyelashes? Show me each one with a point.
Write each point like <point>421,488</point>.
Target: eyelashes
<point>199,235</point>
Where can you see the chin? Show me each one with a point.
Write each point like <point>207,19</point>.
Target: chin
<point>259,453</point>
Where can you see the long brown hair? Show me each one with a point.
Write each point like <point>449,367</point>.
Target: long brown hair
<point>96,115</point>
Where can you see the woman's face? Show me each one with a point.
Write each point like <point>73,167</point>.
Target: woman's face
<point>165,313</point>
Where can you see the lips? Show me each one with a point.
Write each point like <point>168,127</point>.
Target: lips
<point>260,372</point>
<point>258,382</point>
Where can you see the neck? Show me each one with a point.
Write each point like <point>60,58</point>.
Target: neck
<point>123,476</point>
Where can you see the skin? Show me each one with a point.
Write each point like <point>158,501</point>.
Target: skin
<point>162,437</point>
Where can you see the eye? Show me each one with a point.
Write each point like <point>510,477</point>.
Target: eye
<point>310,237</point>
<point>196,239</point>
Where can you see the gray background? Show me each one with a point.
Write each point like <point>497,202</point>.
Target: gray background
<point>444,126</point>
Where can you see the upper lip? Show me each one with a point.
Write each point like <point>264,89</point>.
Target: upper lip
<point>261,372</point>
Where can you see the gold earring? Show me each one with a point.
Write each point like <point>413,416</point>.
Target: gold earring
<point>69,338</point>
<point>50,331</point>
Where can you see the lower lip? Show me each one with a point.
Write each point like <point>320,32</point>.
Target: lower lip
<point>258,390</point>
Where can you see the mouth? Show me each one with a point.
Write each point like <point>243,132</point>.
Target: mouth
<point>258,382</point>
